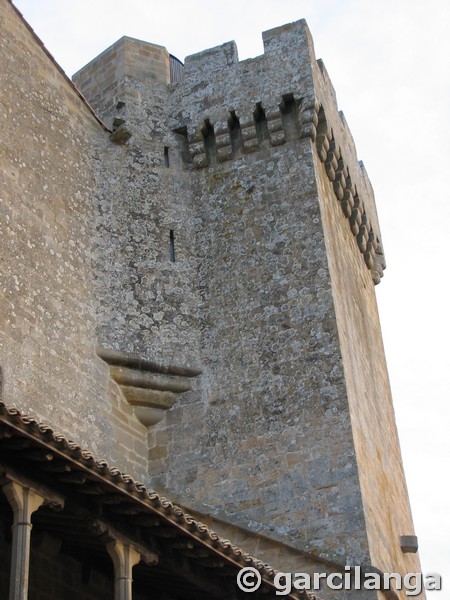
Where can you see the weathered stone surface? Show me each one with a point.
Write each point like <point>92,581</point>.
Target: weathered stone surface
<point>235,235</point>
<point>120,136</point>
<point>47,294</point>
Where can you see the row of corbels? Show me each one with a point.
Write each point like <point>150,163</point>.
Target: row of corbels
<point>310,123</point>
<point>347,195</point>
<point>222,128</point>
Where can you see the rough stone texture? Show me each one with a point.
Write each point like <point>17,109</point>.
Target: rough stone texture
<point>249,168</point>
<point>47,300</point>
<point>382,481</point>
<point>274,391</point>
<point>148,305</point>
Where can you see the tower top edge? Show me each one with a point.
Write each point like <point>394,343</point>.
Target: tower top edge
<point>282,38</point>
<point>118,47</point>
<point>222,55</point>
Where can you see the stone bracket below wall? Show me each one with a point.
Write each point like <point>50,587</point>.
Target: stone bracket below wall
<point>151,388</point>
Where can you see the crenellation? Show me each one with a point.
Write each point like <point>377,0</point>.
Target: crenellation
<point>291,38</point>
<point>213,59</point>
<point>194,296</point>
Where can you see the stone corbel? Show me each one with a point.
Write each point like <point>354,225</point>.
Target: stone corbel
<point>309,117</point>
<point>345,192</point>
<point>149,387</point>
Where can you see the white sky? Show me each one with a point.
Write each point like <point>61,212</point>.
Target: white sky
<point>389,61</point>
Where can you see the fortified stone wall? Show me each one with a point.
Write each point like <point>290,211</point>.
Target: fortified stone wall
<point>385,499</point>
<point>217,248</point>
<point>274,417</point>
<point>277,433</point>
<point>356,260</point>
<point>146,275</point>
<point>47,299</point>
<point>286,276</point>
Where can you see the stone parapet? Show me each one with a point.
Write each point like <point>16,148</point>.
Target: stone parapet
<point>232,108</point>
<point>220,246</point>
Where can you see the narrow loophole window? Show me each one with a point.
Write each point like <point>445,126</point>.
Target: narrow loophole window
<point>172,246</point>
<point>166,156</point>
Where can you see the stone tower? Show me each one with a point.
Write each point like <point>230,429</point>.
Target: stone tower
<point>246,246</point>
<point>204,250</point>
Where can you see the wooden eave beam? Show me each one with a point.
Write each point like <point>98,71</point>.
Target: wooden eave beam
<point>108,485</point>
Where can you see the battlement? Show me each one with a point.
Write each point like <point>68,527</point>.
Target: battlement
<point>193,294</point>
<point>207,61</point>
<point>216,77</point>
<point>231,108</point>
<point>292,39</point>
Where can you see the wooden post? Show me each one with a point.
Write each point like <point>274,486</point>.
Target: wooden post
<point>124,558</point>
<point>24,502</point>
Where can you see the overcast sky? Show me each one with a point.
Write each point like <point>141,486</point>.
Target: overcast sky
<point>389,61</point>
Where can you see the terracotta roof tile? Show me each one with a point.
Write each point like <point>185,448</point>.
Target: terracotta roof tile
<point>160,505</point>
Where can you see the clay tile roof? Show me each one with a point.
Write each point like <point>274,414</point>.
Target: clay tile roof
<point>99,470</point>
